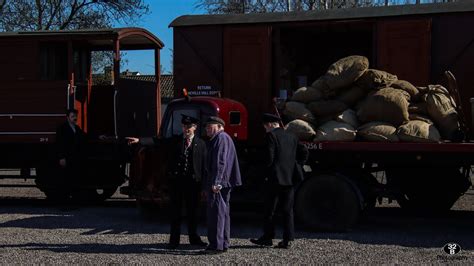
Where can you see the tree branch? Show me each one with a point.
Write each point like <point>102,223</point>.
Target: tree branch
<point>2,4</point>
<point>39,21</point>
<point>54,8</point>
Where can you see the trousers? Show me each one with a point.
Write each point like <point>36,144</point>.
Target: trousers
<point>184,192</point>
<point>284,196</point>
<point>218,219</point>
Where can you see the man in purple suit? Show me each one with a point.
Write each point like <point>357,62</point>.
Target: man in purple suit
<point>223,175</point>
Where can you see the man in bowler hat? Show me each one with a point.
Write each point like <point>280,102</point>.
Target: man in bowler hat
<point>283,158</point>
<point>223,175</point>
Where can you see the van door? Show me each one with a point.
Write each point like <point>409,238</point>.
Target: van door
<point>247,76</point>
<point>404,49</point>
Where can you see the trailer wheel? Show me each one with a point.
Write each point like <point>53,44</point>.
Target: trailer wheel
<point>327,202</point>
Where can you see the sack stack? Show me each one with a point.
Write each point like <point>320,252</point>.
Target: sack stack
<point>352,102</point>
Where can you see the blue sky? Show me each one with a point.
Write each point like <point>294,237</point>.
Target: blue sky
<point>162,12</point>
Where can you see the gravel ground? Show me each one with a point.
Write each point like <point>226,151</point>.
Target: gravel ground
<point>35,232</point>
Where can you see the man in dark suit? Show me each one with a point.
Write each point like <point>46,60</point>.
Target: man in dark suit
<point>70,147</point>
<point>284,157</point>
<point>188,166</point>
<point>223,175</point>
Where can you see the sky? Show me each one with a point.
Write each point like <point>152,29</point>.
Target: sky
<point>162,13</point>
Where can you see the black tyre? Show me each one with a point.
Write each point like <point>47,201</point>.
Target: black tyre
<point>327,202</point>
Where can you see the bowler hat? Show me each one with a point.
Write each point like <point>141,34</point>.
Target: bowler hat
<point>215,120</point>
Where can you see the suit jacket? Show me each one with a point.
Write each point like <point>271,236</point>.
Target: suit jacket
<point>223,164</point>
<point>199,156</point>
<point>284,157</point>
<point>70,145</point>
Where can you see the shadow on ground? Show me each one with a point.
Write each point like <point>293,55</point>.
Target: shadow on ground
<point>383,226</point>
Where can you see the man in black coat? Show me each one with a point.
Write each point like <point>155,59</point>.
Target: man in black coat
<point>187,168</point>
<point>284,159</point>
<point>70,148</point>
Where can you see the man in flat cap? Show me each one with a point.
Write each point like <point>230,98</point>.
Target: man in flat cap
<point>283,159</point>
<point>187,166</point>
<point>223,175</point>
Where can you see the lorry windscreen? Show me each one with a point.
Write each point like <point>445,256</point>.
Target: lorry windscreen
<point>173,127</point>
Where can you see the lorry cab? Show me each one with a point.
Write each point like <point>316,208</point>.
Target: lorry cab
<point>201,107</point>
<point>148,175</point>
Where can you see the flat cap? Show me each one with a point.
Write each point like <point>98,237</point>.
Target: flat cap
<point>270,118</point>
<point>188,120</point>
<point>215,120</point>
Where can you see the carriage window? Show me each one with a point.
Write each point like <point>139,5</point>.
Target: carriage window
<point>174,123</point>
<point>53,61</point>
<point>234,118</point>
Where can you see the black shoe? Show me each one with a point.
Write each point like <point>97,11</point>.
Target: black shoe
<point>172,246</point>
<point>212,251</point>
<point>262,241</point>
<point>284,244</point>
<point>198,242</point>
<point>69,208</point>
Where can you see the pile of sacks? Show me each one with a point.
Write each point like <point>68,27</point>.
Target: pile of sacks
<point>352,102</point>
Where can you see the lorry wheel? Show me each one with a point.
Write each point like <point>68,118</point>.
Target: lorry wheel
<point>327,202</point>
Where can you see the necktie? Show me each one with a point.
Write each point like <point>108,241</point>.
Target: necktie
<point>188,143</point>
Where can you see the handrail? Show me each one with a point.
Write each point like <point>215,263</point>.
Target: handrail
<point>68,92</point>
<point>115,113</point>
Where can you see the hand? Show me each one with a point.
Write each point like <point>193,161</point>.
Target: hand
<point>103,137</point>
<point>131,140</point>
<point>62,162</point>
<point>216,188</point>
<point>203,195</point>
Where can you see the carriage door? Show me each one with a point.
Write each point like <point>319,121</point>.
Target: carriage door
<point>404,49</point>
<point>247,76</point>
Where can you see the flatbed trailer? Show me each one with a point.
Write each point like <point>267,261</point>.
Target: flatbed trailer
<point>341,181</point>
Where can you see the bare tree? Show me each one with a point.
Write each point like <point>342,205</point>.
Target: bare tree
<point>265,6</point>
<point>68,14</point>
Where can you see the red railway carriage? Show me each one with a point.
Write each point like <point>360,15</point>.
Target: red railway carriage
<point>42,73</point>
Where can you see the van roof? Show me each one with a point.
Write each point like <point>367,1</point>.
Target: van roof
<point>131,36</point>
<point>330,14</point>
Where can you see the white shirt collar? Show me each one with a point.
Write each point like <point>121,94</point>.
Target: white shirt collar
<point>73,127</point>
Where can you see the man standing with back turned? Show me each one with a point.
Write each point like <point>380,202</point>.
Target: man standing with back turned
<point>284,157</point>
<point>223,175</point>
